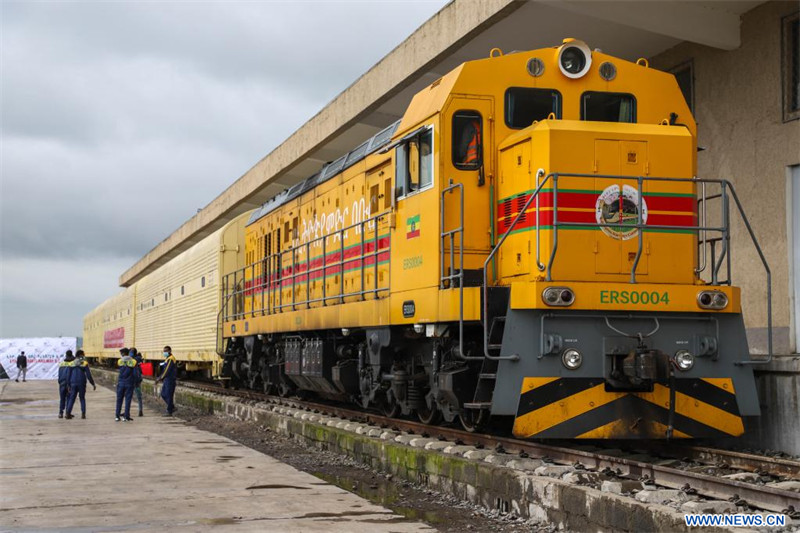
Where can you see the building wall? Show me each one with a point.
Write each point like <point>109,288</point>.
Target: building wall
<point>778,426</point>
<point>739,111</point>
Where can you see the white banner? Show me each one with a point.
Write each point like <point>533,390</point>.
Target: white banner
<point>43,353</point>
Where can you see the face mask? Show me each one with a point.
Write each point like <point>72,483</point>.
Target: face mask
<point>166,354</point>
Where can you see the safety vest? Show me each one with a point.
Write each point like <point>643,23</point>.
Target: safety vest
<point>169,369</point>
<point>472,155</point>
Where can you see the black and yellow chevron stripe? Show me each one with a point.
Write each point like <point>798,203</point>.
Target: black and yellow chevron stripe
<point>570,408</point>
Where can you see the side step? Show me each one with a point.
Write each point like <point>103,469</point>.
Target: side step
<point>478,405</point>
<point>496,334</point>
<point>487,378</point>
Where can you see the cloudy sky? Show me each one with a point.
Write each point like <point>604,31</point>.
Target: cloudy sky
<point>121,119</point>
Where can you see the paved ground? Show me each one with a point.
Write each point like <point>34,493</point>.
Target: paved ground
<point>154,473</point>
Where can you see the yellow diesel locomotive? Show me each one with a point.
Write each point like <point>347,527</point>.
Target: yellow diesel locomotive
<point>529,241</point>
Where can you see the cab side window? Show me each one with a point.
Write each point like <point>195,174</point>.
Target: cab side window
<point>415,163</point>
<point>467,140</point>
<point>608,107</point>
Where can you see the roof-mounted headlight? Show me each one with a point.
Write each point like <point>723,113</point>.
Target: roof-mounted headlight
<point>574,58</point>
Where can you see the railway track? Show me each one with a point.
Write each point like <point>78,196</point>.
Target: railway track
<point>753,494</point>
<point>716,457</point>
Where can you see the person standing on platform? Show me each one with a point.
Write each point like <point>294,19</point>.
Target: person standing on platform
<point>63,382</point>
<point>79,373</point>
<point>169,375</point>
<point>125,384</point>
<point>137,378</point>
<point>22,367</point>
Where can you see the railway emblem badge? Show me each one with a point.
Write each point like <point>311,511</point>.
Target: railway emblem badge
<point>412,227</point>
<point>620,208</point>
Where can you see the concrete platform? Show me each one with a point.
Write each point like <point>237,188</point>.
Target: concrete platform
<point>152,474</point>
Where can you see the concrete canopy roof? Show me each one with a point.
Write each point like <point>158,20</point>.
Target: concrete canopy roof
<point>461,31</point>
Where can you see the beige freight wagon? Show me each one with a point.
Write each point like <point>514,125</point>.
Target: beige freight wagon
<point>109,326</point>
<point>176,305</point>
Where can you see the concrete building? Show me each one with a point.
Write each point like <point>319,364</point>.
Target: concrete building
<point>738,64</point>
<point>741,101</point>
<point>746,105</point>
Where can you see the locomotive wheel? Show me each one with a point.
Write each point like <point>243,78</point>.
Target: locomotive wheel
<point>284,390</point>
<point>301,394</point>
<point>473,420</point>
<point>269,388</point>
<point>390,408</point>
<point>429,415</point>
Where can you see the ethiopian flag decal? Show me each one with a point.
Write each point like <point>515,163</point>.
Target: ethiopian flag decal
<point>412,227</point>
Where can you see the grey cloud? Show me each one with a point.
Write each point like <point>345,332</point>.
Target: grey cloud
<point>312,47</point>
<point>120,119</point>
<point>118,201</point>
<point>118,106</point>
<point>53,320</point>
<point>50,297</point>
<point>71,68</point>
<point>149,99</point>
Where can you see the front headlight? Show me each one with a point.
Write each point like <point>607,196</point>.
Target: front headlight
<point>574,58</point>
<point>571,358</point>
<point>558,296</point>
<point>684,360</point>
<point>712,299</point>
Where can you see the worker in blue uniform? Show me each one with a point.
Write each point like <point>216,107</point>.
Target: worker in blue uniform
<point>79,373</point>
<point>169,375</point>
<point>137,378</point>
<point>125,384</point>
<point>63,381</point>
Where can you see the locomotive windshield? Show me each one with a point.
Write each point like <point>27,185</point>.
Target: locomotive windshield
<point>524,105</point>
<point>608,107</point>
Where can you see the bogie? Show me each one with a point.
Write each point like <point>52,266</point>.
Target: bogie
<point>395,370</point>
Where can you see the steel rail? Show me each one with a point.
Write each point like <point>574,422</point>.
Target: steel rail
<point>776,466</point>
<point>758,496</point>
